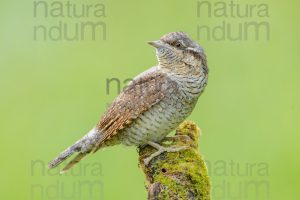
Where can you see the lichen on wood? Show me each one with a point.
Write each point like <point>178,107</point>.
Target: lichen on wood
<point>177,175</point>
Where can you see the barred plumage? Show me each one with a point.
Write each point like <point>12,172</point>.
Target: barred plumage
<point>154,103</point>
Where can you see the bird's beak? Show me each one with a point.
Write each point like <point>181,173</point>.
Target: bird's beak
<point>156,43</point>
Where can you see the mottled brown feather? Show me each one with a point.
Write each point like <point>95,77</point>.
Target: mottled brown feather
<point>137,97</point>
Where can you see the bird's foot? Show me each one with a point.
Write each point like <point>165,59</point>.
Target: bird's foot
<point>162,149</point>
<point>177,137</point>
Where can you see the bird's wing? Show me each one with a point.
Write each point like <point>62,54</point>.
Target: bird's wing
<point>141,94</point>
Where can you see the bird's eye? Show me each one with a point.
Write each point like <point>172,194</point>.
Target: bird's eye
<point>178,44</point>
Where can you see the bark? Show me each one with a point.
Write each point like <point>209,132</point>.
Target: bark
<point>179,175</point>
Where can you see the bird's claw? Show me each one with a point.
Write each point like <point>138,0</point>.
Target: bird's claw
<point>162,149</point>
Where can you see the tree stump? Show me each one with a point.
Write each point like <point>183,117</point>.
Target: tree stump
<point>177,175</point>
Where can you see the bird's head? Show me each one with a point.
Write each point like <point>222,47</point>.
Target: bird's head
<point>178,48</point>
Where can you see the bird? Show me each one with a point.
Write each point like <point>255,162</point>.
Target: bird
<point>152,105</point>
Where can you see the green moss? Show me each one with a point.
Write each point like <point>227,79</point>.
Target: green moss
<point>182,174</point>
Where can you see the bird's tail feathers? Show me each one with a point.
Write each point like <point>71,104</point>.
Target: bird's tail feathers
<point>73,162</point>
<point>83,146</point>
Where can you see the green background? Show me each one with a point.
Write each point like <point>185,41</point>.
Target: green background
<point>53,92</point>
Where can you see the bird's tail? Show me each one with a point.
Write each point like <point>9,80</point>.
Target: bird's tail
<point>83,146</point>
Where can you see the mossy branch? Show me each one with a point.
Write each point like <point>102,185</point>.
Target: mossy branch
<point>179,175</point>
